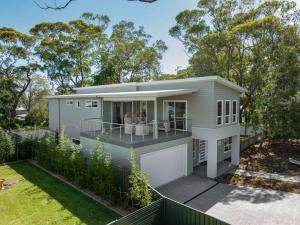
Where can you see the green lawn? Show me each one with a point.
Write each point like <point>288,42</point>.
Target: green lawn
<point>38,198</point>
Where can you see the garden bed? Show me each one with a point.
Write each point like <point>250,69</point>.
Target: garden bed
<point>38,198</point>
<point>271,157</point>
<point>260,183</point>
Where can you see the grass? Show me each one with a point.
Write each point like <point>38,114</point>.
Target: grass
<point>260,183</point>
<point>38,198</point>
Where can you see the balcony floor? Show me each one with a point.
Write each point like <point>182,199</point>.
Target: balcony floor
<point>136,141</point>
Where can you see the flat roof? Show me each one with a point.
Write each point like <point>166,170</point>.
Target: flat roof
<point>186,80</point>
<point>128,95</point>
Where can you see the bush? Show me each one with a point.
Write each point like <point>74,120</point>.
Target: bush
<point>139,184</point>
<point>7,147</point>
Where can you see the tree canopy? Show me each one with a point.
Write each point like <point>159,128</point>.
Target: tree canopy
<point>254,45</point>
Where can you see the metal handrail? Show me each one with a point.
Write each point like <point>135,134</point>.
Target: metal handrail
<point>96,126</point>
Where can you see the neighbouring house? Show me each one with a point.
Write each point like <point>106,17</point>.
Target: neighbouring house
<point>176,127</point>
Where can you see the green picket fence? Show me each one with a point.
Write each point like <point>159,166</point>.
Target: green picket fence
<point>167,212</point>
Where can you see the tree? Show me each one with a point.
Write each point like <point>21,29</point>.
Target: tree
<point>17,66</point>
<point>128,56</point>
<point>64,5</point>
<point>66,51</point>
<point>36,92</point>
<point>239,40</point>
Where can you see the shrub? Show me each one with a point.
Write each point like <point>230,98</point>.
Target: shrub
<point>139,184</point>
<point>7,147</point>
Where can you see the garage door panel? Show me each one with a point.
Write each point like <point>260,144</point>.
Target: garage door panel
<point>165,165</point>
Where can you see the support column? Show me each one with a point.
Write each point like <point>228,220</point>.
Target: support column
<point>155,120</point>
<point>212,158</point>
<point>235,152</point>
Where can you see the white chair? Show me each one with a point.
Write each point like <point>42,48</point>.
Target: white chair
<point>128,126</point>
<point>142,130</point>
<point>164,126</point>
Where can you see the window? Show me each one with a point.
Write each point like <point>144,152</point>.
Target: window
<point>219,112</point>
<point>227,144</point>
<point>91,104</point>
<point>77,104</point>
<point>234,111</point>
<point>69,102</point>
<point>227,112</point>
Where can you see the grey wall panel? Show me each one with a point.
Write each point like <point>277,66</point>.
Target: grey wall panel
<point>53,114</point>
<point>222,92</point>
<point>71,116</point>
<point>200,106</point>
<point>107,111</point>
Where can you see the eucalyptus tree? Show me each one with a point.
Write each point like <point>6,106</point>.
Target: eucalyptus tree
<point>65,4</point>
<point>129,55</point>
<point>17,66</point>
<point>241,41</point>
<point>66,51</point>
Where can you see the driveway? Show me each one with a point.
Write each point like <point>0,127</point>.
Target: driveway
<point>249,206</point>
<point>186,188</point>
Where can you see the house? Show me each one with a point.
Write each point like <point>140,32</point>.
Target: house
<point>175,126</point>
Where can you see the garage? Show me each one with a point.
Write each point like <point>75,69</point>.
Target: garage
<point>165,165</point>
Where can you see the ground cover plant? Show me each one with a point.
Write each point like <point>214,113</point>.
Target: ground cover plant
<point>38,198</point>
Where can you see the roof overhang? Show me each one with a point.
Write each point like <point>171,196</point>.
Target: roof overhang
<point>128,96</point>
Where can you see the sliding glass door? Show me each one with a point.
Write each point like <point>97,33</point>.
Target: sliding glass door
<point>176,113</point>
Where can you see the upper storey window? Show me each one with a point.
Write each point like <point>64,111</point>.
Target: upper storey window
<point>219,112</point>
<point>69,102</point>
<point>227,112</point>
<point>91,104</point>
<point>234,111</point>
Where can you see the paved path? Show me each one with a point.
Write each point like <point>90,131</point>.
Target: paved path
<point>274,176</point>
<point>186,188</point>
<point>249,206</point>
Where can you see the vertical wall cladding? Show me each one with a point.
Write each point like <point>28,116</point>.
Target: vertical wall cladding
<point>53,108</point>
<point>72,115</point>
<point>200,104</point>
<point>222,92</point>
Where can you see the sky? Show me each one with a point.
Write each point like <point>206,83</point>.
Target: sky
<point>157,18</point>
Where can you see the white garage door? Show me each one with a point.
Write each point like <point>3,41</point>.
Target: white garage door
<point>165,165</point>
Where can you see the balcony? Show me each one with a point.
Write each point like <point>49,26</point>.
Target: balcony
<point>135,135</point>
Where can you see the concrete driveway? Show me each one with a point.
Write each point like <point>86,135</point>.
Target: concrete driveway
<point>249,206</point>
<point>186,188</point>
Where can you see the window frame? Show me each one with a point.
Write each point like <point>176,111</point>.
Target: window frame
<point>68,102</point>
<point>222,114</point>
<point>91,107</point>
<point>76,104</point>
<point>227,116</point>
<point>236,111</point>
<point>228,145</point>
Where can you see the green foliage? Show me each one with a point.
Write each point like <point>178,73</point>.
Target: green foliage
<point>38,115</point>
<point>139,184</point>
<point>101,170</point>
<point>7,147</point>
<point>254,44</point>
<point>16,69</point>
